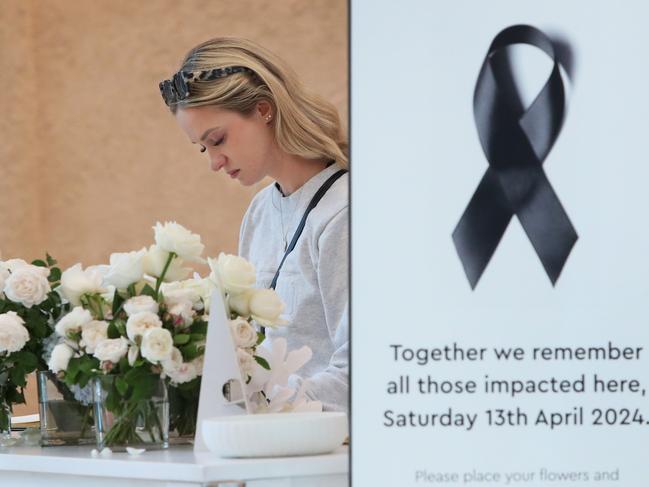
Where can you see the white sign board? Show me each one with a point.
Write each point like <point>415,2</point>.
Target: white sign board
<point>221,372</point>
<point>528,366</point>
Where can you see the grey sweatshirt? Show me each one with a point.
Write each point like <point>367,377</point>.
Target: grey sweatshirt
<point>313,282</point>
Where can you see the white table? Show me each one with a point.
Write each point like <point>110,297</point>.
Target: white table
<point>178,466</point>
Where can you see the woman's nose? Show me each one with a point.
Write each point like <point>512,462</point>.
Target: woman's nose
<point>217,161</point>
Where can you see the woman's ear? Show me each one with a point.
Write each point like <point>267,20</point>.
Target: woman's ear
<point>265,110</point>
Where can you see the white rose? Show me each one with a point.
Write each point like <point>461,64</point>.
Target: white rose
<point>4,274</point>
<point>139,323</point>
<point>155,261</point>
<point>61,355</point>
<point>14,264</point>
<point>185,372</point>
<point>13,334</point>
<point>234,273</point>
<point>240,303</point>
<point>173,237</point>
<point>246,361</point>
<point>125,268</point>
<point>108,295</point>
<point>157,345</point>
<point>92,333</point>
<point>73,321</point>
<point>139,304</point>
<point>75,282</point>
<point>243,333</point>
<point>198,364</point>
<point>28,285</point>
<point>204,287</point>
<point>172,362</point>
<point>133,353</point>
<point>183,310</point>
<point>196,290</point>
<point>266,307</point>
<point>101,269</point>
<point>111,349</point>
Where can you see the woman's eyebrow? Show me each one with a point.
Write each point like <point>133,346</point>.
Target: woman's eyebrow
<point>207,132</point>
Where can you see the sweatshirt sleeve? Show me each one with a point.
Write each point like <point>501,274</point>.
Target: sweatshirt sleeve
<point>331,385</point>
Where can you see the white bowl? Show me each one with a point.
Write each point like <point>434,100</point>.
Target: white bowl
<point>274,435</point>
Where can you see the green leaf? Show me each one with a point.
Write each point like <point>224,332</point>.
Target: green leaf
<point>261,361</point>
<point>134,375</point>
<point>55,274</point>
<point>260,338</point>
<point>121,385</point>
<point>82,379</point>
<point>55,297</point>
<point>39,263</point>
<point>41,330</point>
<point>199,327</point>
<point>112,331</point>
<point>113,400</point>
<point>87,364</point>
<point>190,352</point>
<point>148,291</point>
<point>145,387</point>
<point>124,366</point>
<point>17,374</point>
<point>131,290</point>
<point>73,370</point>
<point>197,337</point>
<point>13,396</point>
<point>181,339</point>
<point>121,326</point>
<point>4,420</point>
<point>26,359</point>
<point>50,260</point>
<point>118,300</point>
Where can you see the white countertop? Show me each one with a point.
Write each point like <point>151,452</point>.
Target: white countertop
<point>178,463</point>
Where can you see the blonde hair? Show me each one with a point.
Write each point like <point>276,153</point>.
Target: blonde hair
<point>305,125</point>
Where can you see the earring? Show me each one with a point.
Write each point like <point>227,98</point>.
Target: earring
<point>268,118</point>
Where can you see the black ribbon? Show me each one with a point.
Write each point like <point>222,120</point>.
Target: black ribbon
<point>515,141</point>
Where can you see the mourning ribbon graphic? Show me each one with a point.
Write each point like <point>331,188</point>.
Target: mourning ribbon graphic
<point>515,141</point>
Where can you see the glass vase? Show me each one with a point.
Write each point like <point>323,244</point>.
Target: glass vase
<point>183,412</point>
<point>66,415</point>
<point>5,422</point>
<point>122,423</point>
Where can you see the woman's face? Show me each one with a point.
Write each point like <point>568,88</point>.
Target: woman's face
<point>240,145</point>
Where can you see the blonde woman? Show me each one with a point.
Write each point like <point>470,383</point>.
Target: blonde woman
<point>245,109</point>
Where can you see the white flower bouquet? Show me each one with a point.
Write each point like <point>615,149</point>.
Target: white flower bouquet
<point>141,320</point>
<point>137,324</point>
<point>28,306</point>
<point>136,334</point>
<point>267,365</point>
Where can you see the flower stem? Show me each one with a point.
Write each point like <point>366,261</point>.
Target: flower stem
<point>100,307</point>
<point>164,273</point>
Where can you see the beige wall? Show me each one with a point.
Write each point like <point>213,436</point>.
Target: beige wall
<point>90,158</point>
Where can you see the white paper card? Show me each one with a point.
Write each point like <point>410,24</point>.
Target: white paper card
<point>221,366</point>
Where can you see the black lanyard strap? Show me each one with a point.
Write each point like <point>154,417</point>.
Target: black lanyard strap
<point>314,201</point>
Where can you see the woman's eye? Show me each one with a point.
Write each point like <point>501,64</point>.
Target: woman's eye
<point>218,142</point>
